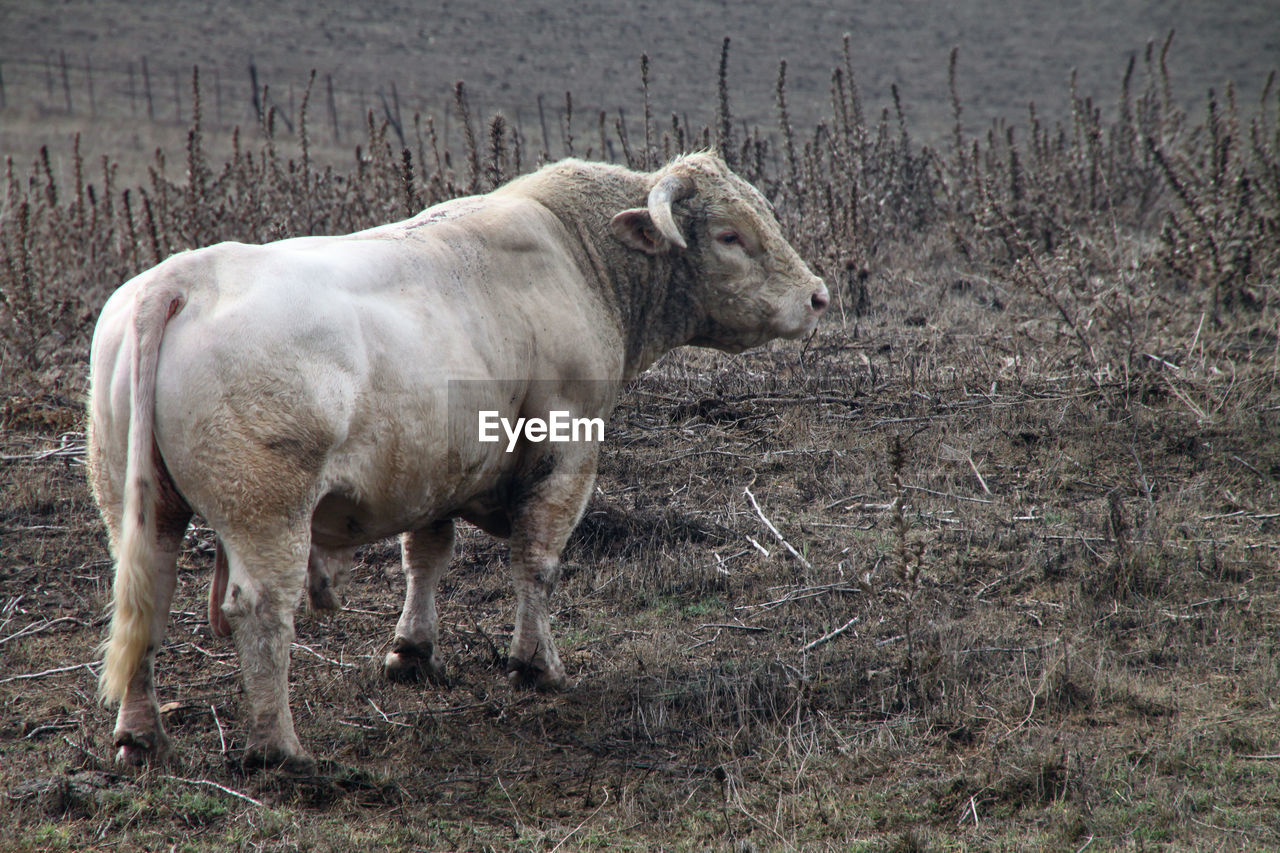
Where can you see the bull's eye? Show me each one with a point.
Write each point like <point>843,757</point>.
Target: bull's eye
<point>729,238</point>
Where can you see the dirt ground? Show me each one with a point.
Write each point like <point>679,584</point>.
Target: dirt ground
<point>931,580</point>
<point>1057,600</point>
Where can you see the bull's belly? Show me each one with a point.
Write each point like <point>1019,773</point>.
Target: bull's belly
<point>348,516</point>
<point>340,522</point>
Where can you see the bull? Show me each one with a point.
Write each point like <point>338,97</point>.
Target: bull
<point>297,395</point>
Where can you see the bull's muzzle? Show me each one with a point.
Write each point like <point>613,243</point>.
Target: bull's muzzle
<point>820,298</point>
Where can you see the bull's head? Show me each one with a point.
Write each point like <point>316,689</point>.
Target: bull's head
<point>748,282</point>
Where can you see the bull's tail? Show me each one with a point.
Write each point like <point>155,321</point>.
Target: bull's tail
<point>133,596</point>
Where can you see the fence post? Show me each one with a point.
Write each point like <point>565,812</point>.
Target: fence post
<point>66,78</point>
<point>88,73</point>
<point>258,105</point>
<point>333,108</point>
<point>146,89</point>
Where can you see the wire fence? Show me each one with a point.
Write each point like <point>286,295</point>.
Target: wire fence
<point>338,107</point>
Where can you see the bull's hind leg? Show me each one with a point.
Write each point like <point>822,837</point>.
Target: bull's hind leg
<point>139,734</point>
<point>425,554</point>
<point>264,584</point>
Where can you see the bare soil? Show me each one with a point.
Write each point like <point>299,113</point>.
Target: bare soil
<point>1057,607</point>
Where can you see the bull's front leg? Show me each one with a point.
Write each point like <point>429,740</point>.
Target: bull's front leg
<point>327,572</point>
<point>556,495</point>
<point>424,554</point>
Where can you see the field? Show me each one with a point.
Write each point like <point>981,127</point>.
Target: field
<point>989,563</point>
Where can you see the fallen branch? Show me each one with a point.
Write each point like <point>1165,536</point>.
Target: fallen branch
<point>40,627</point>
<point>59,670</point>
<point>223,788</point>
<point>947,495</point>
<point>222,740</point>
<point>960,455</point>
<point>774,530</point>
<point>382,714</point>
<point>312,651</point>
<point>67,447</point>
<point>981,482</point>
<point>826,638</point>
<point>801,593</point>
<point>51,727</point>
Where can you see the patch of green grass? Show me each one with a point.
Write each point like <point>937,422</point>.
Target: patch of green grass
<point>703,608</point>
<point>48,836</point>
<point>202,808</point>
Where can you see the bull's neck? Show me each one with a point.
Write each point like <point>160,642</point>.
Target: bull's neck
<point>653,311</point>
<point>647,295</point>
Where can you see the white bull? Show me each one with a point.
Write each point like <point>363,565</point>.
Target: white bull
<point>305,397</point>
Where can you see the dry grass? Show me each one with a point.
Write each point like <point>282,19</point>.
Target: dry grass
<point>1028,468</point>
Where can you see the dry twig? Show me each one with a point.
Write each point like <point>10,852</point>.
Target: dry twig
<point>223,788</point>
<point>826,638</point>
<point>774,530</point>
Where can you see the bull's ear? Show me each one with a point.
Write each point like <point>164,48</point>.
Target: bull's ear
<point>636,229</point>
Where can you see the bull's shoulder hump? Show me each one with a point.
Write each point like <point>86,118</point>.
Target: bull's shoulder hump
<point>497,220</point>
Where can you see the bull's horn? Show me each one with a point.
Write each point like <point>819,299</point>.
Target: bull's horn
<point>665,193</point>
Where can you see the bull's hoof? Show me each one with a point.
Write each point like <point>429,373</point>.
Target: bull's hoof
<point>323,597</point>
<point>529,674</point>
<point>135,749</point>
<point>408,663</point>
<point>274,758</point>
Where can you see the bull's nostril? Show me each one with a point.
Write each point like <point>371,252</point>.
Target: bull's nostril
<point>819,300</point>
